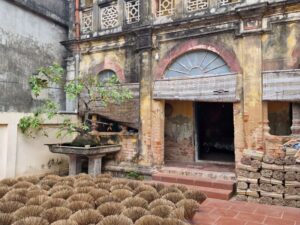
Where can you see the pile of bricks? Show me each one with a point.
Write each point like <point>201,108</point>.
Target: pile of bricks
<point>269,179</point>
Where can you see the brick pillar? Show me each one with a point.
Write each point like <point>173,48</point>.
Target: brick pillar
<point>296,119</point>
<point>145,108</point>
<point>158,132</point>
<point>253,106</point>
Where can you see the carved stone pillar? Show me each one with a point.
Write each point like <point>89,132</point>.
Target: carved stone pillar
<point>296,119</point>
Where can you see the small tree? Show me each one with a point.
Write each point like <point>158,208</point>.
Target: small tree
<point>86,88</point>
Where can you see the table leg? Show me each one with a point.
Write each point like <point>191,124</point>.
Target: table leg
<point>74,165</point>
<point>95,163</point>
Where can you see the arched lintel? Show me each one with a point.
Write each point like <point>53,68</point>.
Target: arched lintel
<point>109,64</point>
<point>193,45</point>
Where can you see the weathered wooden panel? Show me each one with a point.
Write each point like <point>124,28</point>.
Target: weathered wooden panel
<point>126,112</point>
<point>281,85</point>
<point>216,88</point>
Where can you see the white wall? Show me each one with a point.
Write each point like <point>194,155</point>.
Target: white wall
<point>21,155</point>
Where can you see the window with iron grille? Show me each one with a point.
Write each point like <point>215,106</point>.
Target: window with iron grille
<point>132,9</point>
<point>165,7</point>
<point>195,5</point>
<point>87,21</point>
<point>109,17</point>
<point>227,2</point>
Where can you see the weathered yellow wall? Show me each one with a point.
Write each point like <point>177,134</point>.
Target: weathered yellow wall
<point>179,131</point>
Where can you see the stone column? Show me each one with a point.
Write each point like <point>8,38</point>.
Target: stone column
<point>95,164</point>
<point>74,165</point>
<point>296,119</point>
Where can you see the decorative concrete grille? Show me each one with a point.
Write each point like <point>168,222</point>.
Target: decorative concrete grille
<point>87,21</point>
<point>227,2</point>
<point>132,11</point>
<point>165,7</point>
<point>195,5</point>
<point>109,17</point>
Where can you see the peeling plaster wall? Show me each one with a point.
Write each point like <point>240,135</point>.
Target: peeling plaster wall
<point>30,36</point>
<point>281,48</point>
<point>27,41</point>
<point>179,130</point>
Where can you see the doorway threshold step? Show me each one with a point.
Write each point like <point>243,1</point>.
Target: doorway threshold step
<point>194,181</point>
<point>215,193</point>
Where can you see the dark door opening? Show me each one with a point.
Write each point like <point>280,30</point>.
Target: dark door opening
<point>214,131</point>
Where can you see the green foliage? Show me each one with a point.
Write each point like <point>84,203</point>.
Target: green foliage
<point>87,89</point>
<point>44,77</point>
<point>135,176</point>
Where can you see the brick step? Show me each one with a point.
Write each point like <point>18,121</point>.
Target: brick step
<point>198,172</point>
<point>194,181</point>
<point>215,193</point>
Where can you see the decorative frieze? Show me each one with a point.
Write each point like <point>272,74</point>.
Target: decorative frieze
<point>195,5</point>
<point>132,10</point>
<point>165,7</point>
<point>227,2</point>
<point>109,17</point>
<point>86,21</point>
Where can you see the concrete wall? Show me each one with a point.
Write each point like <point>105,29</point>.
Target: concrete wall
<point>27,42</point>
<point>30,35</point>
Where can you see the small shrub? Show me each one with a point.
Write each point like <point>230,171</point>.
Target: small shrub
<point>133,184</point>
<point>84,183</point>
<point>8,182</point>
<point>135,176</point>
<point>105,186</point>
<point>84,189</point>
<point>52,177</point>
<point>182,188</point>
<point>4,190</point>
<point>35,193</point>
<point>158,186</point>
<point>30,179</point>
<point>15,197</point>
<point>103,180</point>
<point>48,182</point>
<point>22,184</point>
<point>177,213</point>
<point>120,186</point>
<point>57,188</point>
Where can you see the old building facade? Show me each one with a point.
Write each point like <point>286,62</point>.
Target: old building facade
<point>212,78</point>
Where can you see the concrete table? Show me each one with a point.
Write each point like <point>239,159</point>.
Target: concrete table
<point>94,154</point>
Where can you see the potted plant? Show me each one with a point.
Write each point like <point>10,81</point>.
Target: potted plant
<point>87,89</point>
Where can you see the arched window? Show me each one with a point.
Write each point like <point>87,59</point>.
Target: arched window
<point>196,64</point>
<point>105,75</point>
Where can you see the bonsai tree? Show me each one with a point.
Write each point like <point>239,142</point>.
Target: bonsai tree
<point>89,91</point>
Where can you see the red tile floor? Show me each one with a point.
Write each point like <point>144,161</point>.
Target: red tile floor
<point>221,212</point>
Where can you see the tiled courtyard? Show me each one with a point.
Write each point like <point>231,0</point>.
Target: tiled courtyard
<point>221,212</point>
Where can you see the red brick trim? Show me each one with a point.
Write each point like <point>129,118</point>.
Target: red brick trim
<point>109,64</point>
<point>193,45</point>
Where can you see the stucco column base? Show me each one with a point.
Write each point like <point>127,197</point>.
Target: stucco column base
<point>296,119</point>
<point>95,164</point>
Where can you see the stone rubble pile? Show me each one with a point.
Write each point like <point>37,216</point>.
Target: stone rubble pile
<point>269,179</point>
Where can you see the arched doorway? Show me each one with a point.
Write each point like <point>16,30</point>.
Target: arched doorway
<point>198,128</point>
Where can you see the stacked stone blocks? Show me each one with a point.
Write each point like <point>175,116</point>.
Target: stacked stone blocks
<point>268,179</point>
